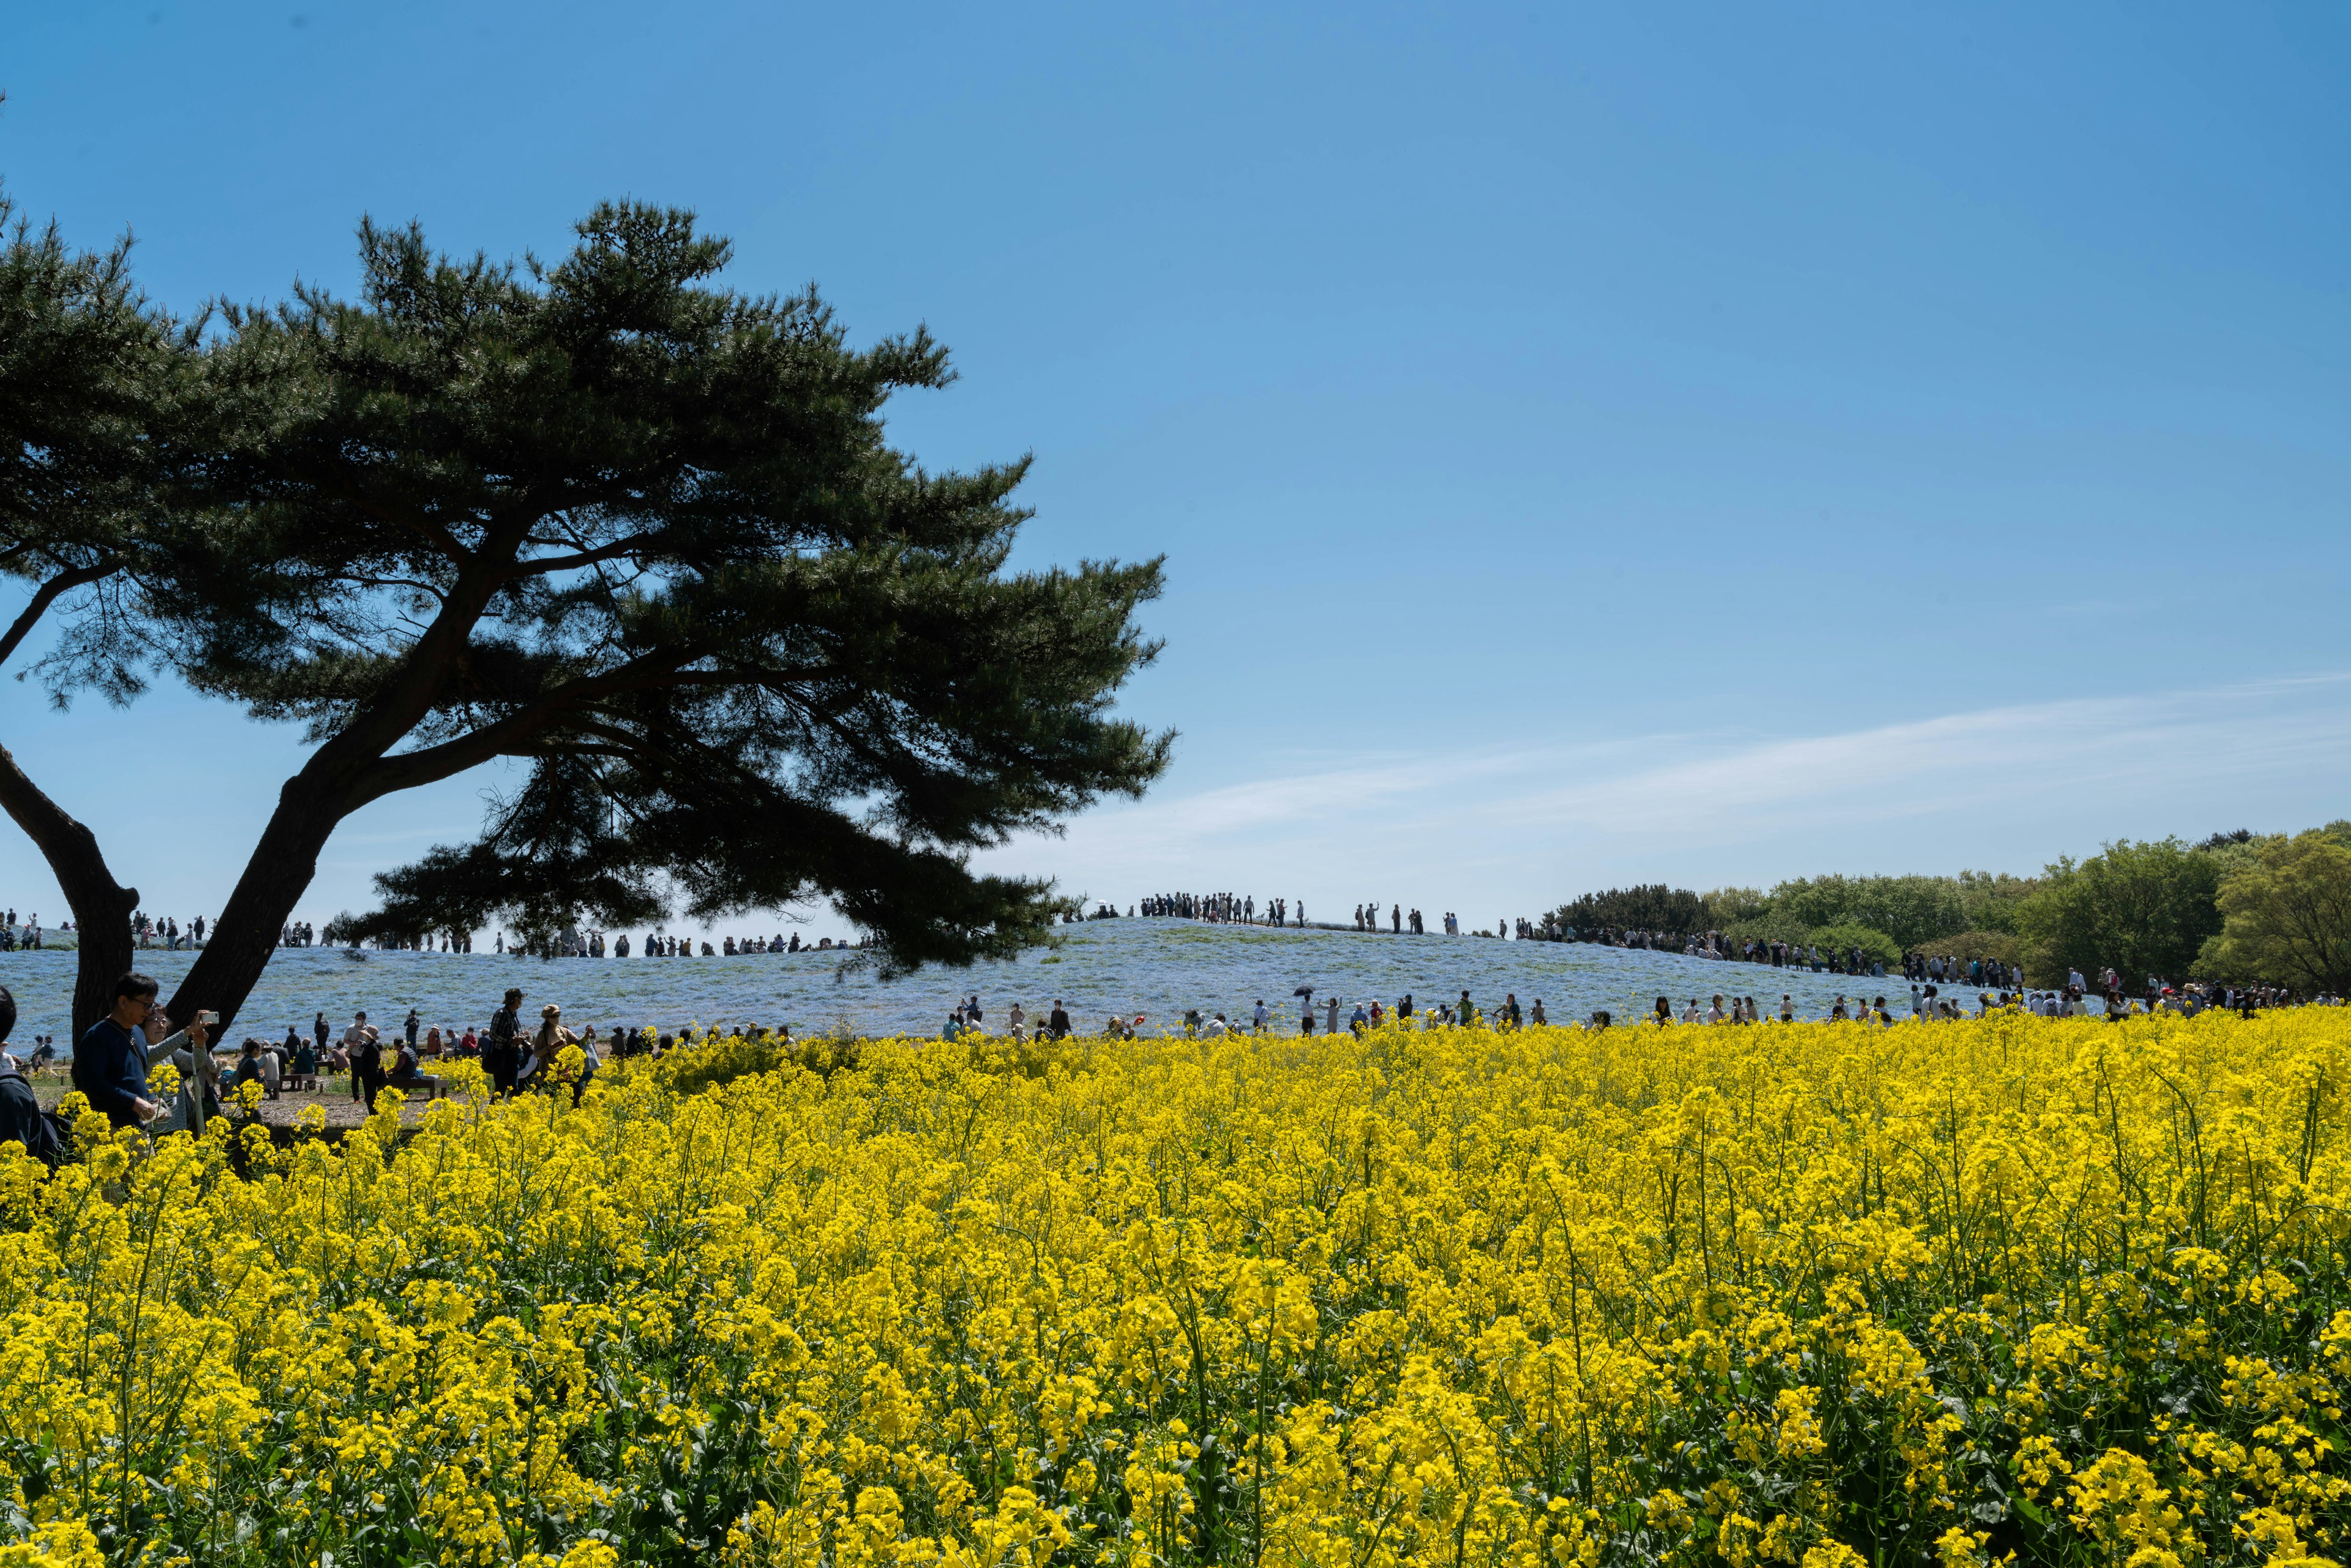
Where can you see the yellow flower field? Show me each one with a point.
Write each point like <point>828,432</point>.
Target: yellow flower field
<point>1818,1294</point>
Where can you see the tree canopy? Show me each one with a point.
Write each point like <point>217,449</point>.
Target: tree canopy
<point>1909,909</point>
<point>2145,908</point>
<point>643,538</point>
<point>88,370</point>
<point>1652,906</point>
<point>2286,914</point>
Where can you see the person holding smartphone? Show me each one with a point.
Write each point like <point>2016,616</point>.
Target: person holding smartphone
<point>198,1097</point>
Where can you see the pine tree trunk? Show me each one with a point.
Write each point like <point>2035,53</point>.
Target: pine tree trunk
<point>253,922</point>
<point>102,906</point>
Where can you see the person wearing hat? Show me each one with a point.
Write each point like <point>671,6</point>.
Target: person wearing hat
<point>502,1046</point>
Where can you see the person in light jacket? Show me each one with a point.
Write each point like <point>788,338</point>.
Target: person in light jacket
<point>185,1050</point>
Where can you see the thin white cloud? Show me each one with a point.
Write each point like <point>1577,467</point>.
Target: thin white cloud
<point>1958,760</point>
<point>1522,815</point>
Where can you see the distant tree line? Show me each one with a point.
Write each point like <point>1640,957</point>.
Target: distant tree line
<point>2237,906</point>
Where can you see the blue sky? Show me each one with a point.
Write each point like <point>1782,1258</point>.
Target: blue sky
<point>1589,444</point>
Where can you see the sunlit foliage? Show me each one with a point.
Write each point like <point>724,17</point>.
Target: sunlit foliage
<point>1818,1294</point>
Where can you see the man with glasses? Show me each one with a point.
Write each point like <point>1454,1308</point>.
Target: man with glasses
<point>109,1063</point>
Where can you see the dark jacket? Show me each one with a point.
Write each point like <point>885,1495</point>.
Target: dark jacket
<point>111,1070</point>
<point>502,1045</point>
<point>22,1120</point>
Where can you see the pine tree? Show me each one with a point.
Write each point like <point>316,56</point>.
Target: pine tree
<point>87,371</point>
<point>643,537</point>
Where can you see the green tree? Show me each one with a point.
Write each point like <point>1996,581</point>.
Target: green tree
<point>1909,909</point>
<point>1652,906</point>
<point>1730,905</point>
<point>2287,916</point>
<point>643,540</point>
<point>1840,939</point>
<point>1988,900</point>
<point>87,367</point>
<point>2144,908</point>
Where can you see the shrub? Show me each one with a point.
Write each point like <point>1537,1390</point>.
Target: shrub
<point>1874,944</point>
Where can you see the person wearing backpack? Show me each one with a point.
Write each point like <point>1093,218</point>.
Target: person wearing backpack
<point>367,1067</point>
<point>22,1120</point>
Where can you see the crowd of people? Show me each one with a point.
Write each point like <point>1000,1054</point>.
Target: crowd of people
<point>578,943</point>
<point>149,931</point>
<point>1927,1003</point>
<point>1222,909</point>
<point>114,1062</point>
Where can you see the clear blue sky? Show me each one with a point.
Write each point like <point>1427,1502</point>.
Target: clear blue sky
<point>1589,444</point>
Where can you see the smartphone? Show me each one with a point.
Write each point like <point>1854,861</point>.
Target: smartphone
<point>207,1018</point>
